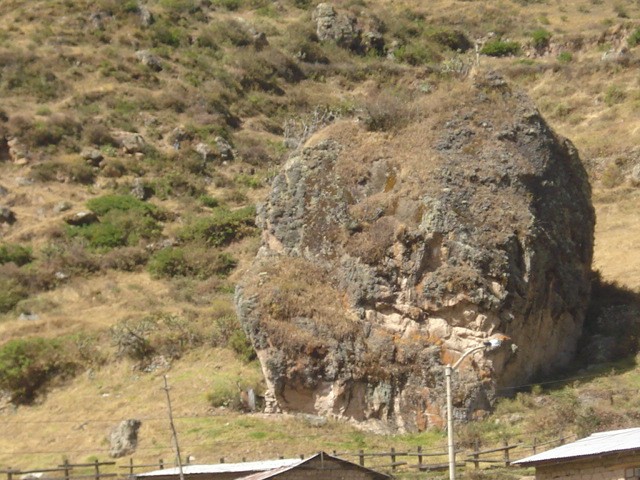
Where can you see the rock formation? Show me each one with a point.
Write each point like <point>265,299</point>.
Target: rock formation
<point>123,439</point>
<point>385,256</point>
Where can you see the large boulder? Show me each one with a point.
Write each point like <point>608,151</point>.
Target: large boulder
<point>385,257</point>
<point>123,439</point>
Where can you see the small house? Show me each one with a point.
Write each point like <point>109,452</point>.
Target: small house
<point>320,466</point>
<point>613,455</point>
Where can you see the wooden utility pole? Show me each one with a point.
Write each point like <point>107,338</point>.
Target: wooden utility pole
<point>173,428</point>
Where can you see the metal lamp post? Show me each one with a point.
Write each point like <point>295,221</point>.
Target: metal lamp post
<point>448,369</point>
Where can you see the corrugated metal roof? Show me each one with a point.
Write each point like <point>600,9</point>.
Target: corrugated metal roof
<point>596,444</point>
<point>223,468</point>
<point>300,464</point>
<point>267,475</point>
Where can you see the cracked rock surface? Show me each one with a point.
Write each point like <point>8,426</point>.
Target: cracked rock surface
<point>386,256</point>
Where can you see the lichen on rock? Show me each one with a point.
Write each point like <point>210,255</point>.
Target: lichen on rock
<point>386,256</point>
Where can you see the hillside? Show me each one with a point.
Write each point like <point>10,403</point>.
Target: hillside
<point>167,120</point>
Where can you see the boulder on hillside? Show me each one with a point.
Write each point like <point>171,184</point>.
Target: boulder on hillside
<point>342,29</point>
<point>130,142</point>
<point>149,59</point>
<point>78,219</point>
<point>93,156</point>
<point>123,439</point>
<point>385,257</point>
<point>7,216</point>
<point>348,31</point>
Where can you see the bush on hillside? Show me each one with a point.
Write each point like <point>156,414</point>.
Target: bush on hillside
<point>76,171</point>
<point>156,334</point>
<point>500,48</point>
<point>53,130</point>
<point>453,39</point>
<point>634,38</point>
<point>124,203</point>
<point>124,221</point>
<point>196,262</point>
<point>14,253</point>
<point>541,38</point>
<point>221,227</point>
<point>27,365</point>
<point>11,292</point>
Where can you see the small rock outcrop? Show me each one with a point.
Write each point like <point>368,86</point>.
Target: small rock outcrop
<point>385,257</point>
<point>7,216</point>
<point>123,439</point>
<point>150,60</point>
<point>347,30</point>
<point>130,142</point>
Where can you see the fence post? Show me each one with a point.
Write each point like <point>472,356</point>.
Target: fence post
<point>393,458</point>
<point>420,458</point>
<point>97,467</point>
<point>361,457</point>
<point>67,469</point>
<point>507,462</point>
<point>161,463</point>
<point>131,466</point>
<point>535,444</point>
<point>9,473</point>
<point>476,455</point>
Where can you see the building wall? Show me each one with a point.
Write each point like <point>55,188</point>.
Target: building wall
<point>326,474</point>
<point>611,467</point>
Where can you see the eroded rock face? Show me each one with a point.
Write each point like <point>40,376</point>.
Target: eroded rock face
<point>385,257</point>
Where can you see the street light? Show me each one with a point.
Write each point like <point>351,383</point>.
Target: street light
<point>448,369</point>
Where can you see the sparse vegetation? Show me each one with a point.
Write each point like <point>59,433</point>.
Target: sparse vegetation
<point>14,253</point>
<point>500,48</point>
<point>164,268</point>
<point>27,365</point>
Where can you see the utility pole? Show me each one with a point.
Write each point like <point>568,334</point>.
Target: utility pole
<point>173,428</point>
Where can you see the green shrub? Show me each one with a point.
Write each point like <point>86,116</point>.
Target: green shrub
<point>200,262</point>
<point>156,334</point>
<point>11,252</point>
<point>614,94</point>
<point>500,48</point>
<point>28,364</point>
<point>179,6</point>
<point>11,292</point>
<point>166,34</point>
<point>221,227</point>
<point>53,130</point>
<point>227,390</point>
<point>231,5</point>
<point>208,201</point>
<point>124,203</point>
<point>541,38</point>
<point>124,221</point>
<point>416,54</point>
<point>241,345</point>
<point>634,38</point>
<point>565,57</point>
<point>118,229</point>
<point>76,171</point>
<point>451,38</point>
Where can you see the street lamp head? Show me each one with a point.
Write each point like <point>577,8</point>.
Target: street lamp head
<point>493,343</point>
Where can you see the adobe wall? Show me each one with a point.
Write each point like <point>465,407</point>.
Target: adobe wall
<point>612,467</point>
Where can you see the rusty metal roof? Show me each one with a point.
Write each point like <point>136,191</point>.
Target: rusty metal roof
<point>596,444</point>
<point>223,468</point>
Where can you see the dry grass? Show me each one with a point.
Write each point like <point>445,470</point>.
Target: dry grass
<point>617,236</point>
<point>103,84</point>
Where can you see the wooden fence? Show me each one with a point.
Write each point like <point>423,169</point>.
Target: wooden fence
<point>392,460</point>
